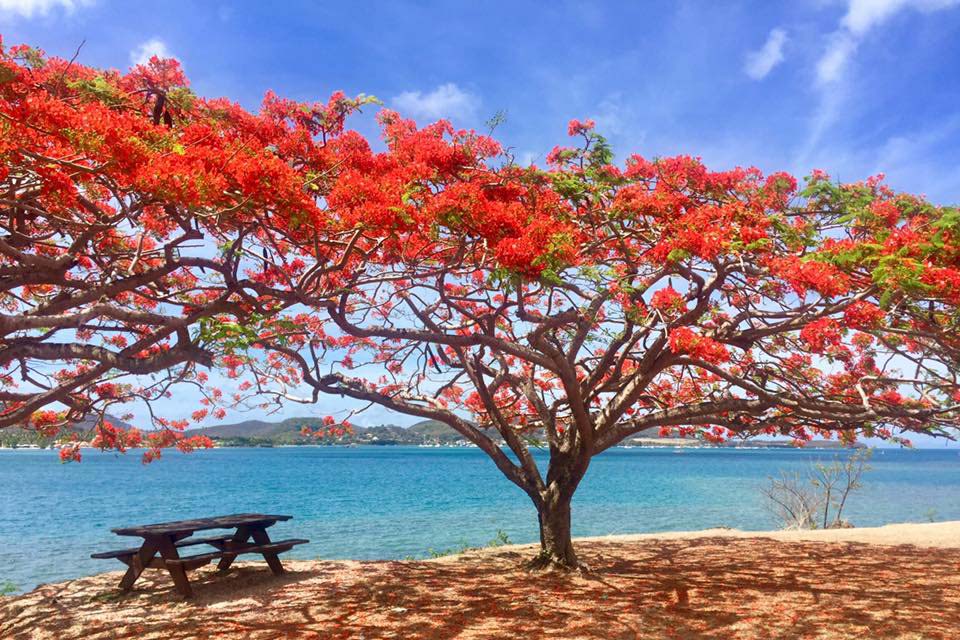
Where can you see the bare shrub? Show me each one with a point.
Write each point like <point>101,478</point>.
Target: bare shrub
<point>816,498</point>
<point>792,500</point>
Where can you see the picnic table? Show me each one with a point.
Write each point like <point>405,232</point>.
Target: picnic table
<point>165,538</point>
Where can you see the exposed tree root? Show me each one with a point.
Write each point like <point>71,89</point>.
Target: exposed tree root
<point>547,561</point>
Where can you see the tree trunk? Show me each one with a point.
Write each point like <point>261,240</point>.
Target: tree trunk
<point>556,545</point>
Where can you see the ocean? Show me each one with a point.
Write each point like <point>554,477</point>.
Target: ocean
<point>396,502</point>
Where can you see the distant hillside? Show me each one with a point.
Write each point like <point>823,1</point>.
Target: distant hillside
<point>289,432</point>
<point>84,425</point>
<point>10,436</point>
<point>290,427</point>
<point>433,429</point>
<point>426,432</point>
<point>436,429</point>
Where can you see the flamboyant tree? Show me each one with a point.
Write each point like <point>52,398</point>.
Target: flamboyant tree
<point>572,307</point>
<point>131,213</point>
<point>149,231</point>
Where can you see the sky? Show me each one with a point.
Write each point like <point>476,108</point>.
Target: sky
<point>852,87</point>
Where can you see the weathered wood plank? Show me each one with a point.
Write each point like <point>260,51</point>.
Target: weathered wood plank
<point>139,561</point>
<point>271,548</point>
<point>240,537</point>
<point>120,553</point>
<point>202,524</point>
<point>273,560</point>
<point>169,553</point>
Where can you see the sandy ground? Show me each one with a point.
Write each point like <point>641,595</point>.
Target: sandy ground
<point>898,581</point>
<point>933,534</point>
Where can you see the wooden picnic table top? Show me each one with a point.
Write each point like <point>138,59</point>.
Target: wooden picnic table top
<point>200,524</point>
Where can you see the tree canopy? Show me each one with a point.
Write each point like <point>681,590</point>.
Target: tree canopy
<point>574,306</point>
<point>132,214</point>
<point>149,231</point>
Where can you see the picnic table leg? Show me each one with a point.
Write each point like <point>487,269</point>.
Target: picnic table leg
<point>241,536</point>
<point>273,560</point>
<point>169,552</point>
<point>139,562</point>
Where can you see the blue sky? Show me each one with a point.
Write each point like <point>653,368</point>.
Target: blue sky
<point>854,87</point>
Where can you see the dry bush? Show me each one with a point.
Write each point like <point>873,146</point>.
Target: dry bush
<point>816,498</point>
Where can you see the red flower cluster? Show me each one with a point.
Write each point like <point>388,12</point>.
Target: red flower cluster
<point>804,275</point>
<point>668,300</point>
<point>863,315</point>
<point>686,340</point>
<point>110,437</point>
<point>576,127</point>
<point>821,334</point>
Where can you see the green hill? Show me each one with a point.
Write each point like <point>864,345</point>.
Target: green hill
<point>289,432</point>
<point>434,429</point>
<point>288,429</point>
<point>426,432</point>
<point>14,436</point>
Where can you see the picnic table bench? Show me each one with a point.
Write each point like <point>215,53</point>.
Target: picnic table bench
<point>165,538</point>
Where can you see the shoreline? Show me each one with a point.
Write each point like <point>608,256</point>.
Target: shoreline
<point>931,535</point>
<point>939,535</point>
<point>648,444</point>
<point>880,582</point>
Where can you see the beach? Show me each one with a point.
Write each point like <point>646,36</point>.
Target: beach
<point>391,503</point>
<point>895,581</point>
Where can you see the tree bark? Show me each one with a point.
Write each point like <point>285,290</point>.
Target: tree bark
<point>556,544</point>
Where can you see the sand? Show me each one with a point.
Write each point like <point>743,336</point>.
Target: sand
<point>931,534</point>
<point>898,581</point>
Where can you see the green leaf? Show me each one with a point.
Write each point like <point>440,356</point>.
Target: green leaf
<point>886,298</point>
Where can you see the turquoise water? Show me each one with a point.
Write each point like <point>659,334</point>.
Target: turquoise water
<point>393,502</point>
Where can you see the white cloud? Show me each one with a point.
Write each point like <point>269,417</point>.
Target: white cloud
<point>30,8</point>
<point>829,108</point>
<point>920,159</point>
<point>761,62</point>
<point>448,101</point>
<point>833,62</point>
<point>863,15</point>
<point>146,50</point>
<point>860,18</point>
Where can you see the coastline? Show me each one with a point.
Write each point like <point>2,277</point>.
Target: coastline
<point>894,581</point>
<point>929,535</point>
<point>919,534</point>
<point>695,490</point>
<point>637,443</point>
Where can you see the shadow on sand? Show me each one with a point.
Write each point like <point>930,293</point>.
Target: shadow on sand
<point>704,588</point>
